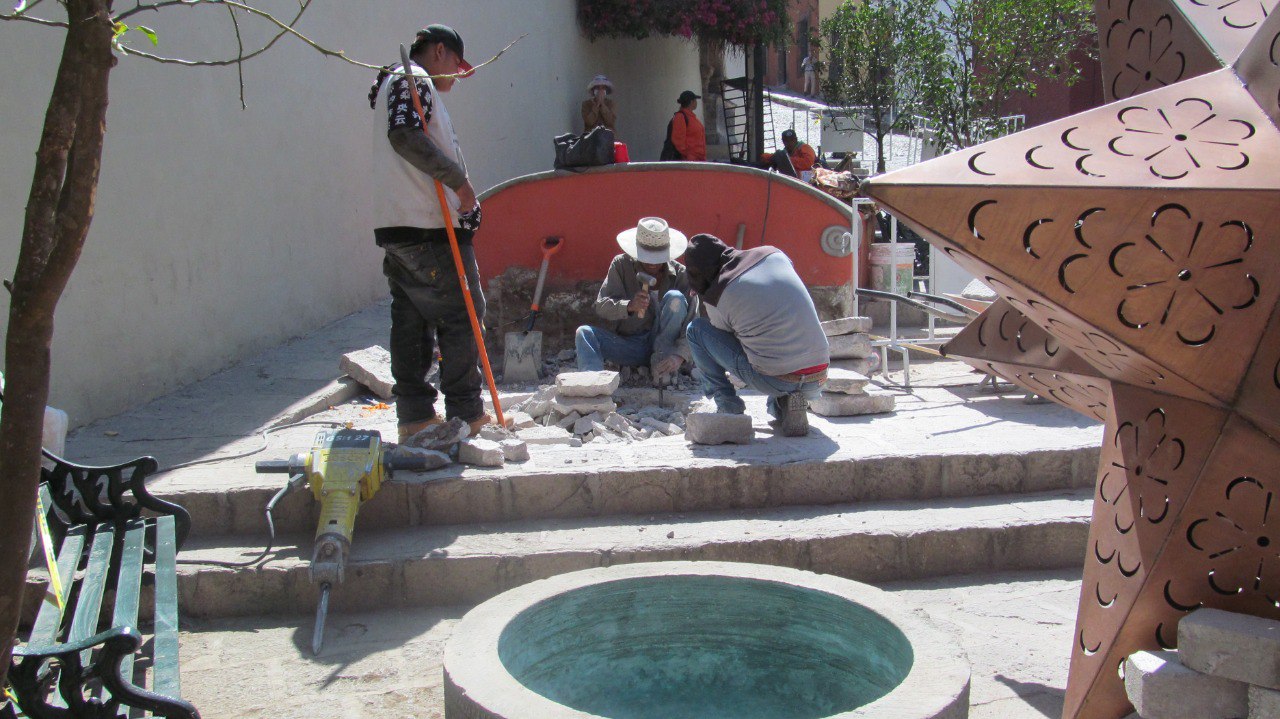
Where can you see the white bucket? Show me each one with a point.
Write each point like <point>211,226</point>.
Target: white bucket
<point>892,266</point>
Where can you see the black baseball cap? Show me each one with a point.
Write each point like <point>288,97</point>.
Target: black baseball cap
<point>686,96</point>
<point>450,38</point>
<point>788,134</point>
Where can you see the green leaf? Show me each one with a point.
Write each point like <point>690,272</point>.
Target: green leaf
<point>151,34</point>
<point>120,29</point>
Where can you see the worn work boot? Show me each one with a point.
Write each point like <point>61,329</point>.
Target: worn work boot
<point>405,431</point>
<point>795,415</point>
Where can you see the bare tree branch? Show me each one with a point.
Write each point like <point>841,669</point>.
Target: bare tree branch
<point>240,54</point>
<point>23,17</point>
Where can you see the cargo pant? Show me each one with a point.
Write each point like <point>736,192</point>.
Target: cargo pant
<point>427,307</point>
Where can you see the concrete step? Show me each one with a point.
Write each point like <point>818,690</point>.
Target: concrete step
<point>466,564</point>
<point>669,477</point>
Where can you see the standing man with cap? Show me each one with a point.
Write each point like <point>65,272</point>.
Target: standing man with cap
<point>685,130</point>
<point>761,325</point>
<point>598,109</point>
<point>427,303</point>
<point>638,334</point>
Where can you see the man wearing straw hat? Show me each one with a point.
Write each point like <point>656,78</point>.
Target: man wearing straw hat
<point>598,109</point>
<point>644,326</point>
<point>427,303</point>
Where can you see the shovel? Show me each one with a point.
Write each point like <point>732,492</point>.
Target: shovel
<point>522,351</point>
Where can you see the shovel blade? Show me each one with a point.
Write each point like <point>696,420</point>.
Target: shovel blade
<point>522,357</point>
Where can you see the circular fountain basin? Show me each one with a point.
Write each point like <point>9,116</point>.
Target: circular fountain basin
<point>701,640</point>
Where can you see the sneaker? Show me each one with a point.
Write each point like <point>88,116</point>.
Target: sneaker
<point>405,431</point>
<point>795,415</point>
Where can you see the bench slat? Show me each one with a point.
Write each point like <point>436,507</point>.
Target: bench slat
<point>129,585</point>
<point>88,607</point>
<point>49,621</point>
<point>165,665</point>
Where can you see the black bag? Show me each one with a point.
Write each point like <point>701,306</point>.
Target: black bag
<point>669,151</point>
<point>587,150</point>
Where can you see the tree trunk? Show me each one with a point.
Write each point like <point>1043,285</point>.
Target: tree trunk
<point>59,211</point>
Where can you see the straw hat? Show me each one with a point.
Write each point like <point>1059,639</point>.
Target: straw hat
<point>652,241</point>
<point>600,80</point>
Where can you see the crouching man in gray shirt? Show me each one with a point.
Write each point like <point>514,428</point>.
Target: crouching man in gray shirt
<point>761,325</point>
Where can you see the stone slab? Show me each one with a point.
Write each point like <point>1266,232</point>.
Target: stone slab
<point>850,346</point>
<point>545,435</point>
<point>851,405</point>
<point>587,384</point>
<point>515,450</point>
<point>843,381</point>
<point>1160,687</point>
<point>1264,703</point>
<point>481,452</point>
<point>718,428</point>
<point>583,405</point>
<point>520,420</point>
<point>1232,646</point>
<point>370,367</point>
<point>846,326</point>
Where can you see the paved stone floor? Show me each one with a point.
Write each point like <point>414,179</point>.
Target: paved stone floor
<point>1015,627</point>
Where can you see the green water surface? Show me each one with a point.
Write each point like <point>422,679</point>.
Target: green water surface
<point>700,647</point>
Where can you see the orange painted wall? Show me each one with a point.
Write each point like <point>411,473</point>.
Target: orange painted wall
<point>589,209</point>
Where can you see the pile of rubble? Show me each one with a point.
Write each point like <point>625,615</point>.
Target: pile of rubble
<point>443,443</point>
<point>851,344</point>
<point>580,408</point>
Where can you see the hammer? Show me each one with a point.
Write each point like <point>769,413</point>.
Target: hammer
<point>646,281</point>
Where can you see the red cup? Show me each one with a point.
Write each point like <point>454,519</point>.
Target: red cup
<point>620,153</point>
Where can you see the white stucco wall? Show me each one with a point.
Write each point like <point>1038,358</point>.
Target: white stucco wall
<point>220,231</point>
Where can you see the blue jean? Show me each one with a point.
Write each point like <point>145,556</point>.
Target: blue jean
<point>596,346</point>
<point>716,352</point>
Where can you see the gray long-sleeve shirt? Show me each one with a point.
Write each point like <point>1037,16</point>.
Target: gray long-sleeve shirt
<point>620,286</point>
<point>771,313</point>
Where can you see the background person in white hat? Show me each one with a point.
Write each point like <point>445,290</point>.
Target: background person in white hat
<point>657,339</point>
<point>598,108</point>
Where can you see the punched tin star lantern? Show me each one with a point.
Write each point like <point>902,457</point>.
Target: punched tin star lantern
<point>1136,251</point>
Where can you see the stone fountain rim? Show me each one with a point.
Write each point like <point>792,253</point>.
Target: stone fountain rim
<point>937,686</point>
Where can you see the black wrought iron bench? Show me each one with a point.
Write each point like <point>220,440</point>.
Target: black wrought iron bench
<point>91,658</point>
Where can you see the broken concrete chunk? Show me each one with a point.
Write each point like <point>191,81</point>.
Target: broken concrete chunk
<point>538,408</point>
<point>417,459</point>
<point>583,405</point>
<point>569,420</point>
<point>850,346</point>
<point>620,424</point>
<point>585,424</point>
<point>441,437</point>
<point>370,367</point>
<point>520,420</point>
<point>515,450</point>
<point>1230,645</point>
<point>1159,685</point>
<point>480,452</point>
<point>495,433</point>
<point>718,428</point>
<point>656,425</point>
<point>846,326</point>
<point>851,405</point>
<point>587,384</point>
<point>843,381</point>
<point>545,435</point>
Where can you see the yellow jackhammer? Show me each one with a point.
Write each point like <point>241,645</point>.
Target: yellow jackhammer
<point>344,469</point>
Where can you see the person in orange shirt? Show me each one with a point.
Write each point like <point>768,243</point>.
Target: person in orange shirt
<point>802,157</point>
<point>687,135</point>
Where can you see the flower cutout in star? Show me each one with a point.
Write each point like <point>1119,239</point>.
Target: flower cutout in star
<point>1186,273</point>
<point>1109,357</point>
<point>1176,140</point>
<point>1241,540</point>
<point>1237,14</point>
<point>1150,58</point>
<point>1150,458</point>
